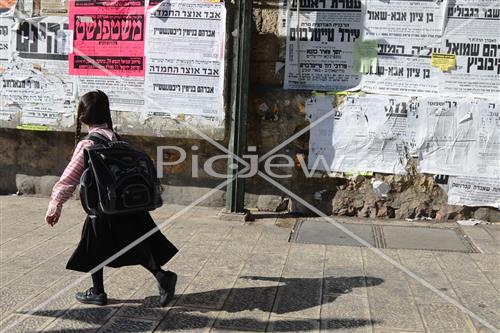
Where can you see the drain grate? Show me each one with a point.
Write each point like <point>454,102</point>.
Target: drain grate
<point>450,239</point>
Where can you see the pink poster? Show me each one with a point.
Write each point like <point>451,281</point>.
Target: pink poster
<point>108,37</point>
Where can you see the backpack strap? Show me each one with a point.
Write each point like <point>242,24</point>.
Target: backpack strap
<point>97,138</point>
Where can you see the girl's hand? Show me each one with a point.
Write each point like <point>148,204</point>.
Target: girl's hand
<point>51,219</point>
<point>53,213</point>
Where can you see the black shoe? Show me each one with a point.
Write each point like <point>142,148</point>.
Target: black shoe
<point>88,297</point>
<point>167,287</point>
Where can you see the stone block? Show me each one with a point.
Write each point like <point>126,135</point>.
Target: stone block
<point>267,73</point>
<point>27,184</point>
<point>46,185</point>
<point>487,214</point>
<point>266,48</point>
<point>265,17</point>
<point>269,203</point>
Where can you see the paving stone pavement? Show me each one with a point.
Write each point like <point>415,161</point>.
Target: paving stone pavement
<point>240,277</point>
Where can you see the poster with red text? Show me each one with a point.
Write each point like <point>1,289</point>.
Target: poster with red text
<point>108,37</point>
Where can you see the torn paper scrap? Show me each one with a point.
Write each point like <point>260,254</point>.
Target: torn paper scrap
<point>471,222</point>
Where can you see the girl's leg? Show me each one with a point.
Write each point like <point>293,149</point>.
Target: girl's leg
<point>98,281</point>
<point>166,282</point>
<point>94,295</point>
<point>158,272</point>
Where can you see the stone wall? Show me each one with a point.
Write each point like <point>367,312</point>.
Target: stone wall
<point>278,114</point>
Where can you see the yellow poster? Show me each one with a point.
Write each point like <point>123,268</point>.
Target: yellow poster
<point>33,127</point>
<point>444,61</point>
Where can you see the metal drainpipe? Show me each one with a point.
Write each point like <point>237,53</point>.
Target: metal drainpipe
<point>235,195</point>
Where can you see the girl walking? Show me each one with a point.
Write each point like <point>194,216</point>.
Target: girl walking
<point>105,235</point>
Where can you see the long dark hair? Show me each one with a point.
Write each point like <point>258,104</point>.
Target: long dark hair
<point>93,109</point>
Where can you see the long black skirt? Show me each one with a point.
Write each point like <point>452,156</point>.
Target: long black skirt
<point>104,236</point>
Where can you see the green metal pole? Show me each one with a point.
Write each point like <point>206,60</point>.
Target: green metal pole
<point>235,196</point>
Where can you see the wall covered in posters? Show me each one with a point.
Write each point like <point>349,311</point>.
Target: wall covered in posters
<point>411,37</point>
<point>324,66</point>
<point>47,62</point>
<point>430,92</point>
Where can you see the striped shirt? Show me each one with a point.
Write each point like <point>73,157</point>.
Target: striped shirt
<point>64,188</point>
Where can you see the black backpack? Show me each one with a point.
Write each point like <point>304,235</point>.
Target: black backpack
<point>117,179</point>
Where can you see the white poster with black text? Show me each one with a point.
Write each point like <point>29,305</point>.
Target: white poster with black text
<point>459,137</point>
<point>408,32</point>
<point>473,35</point>
<point>37,84</point>
<point>319,44</point>
<point>188,80</point>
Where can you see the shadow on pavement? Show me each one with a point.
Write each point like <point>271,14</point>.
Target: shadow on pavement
<point>293,294</point>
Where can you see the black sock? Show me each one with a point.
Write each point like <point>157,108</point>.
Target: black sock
<point>98,281</point>
<point>158,272</point>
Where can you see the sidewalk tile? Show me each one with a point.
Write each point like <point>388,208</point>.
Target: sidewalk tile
<point>394,331</point>
<point>392,306</point>
<point>453,266</point>
<point>244,277</point>
<point>41,277</point>
<point>482,300</point>
<point>425,266</point>
<point>342,257</point>
<point>81,318</point>
<point>187,320</point>
<point>490,266</point>
<point>277,324</point>
<point>299,298</point>
<point>254,321</point>
<point>24,323</point>
<point>207,291</point>
<point>345,313</point>
<point>445,318</point>
<point>483,239</point>
<point>8,276</point>
<point>349,284</point>
<point>128,325</point>
<point>16,295</point>
<point>144,304</point>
